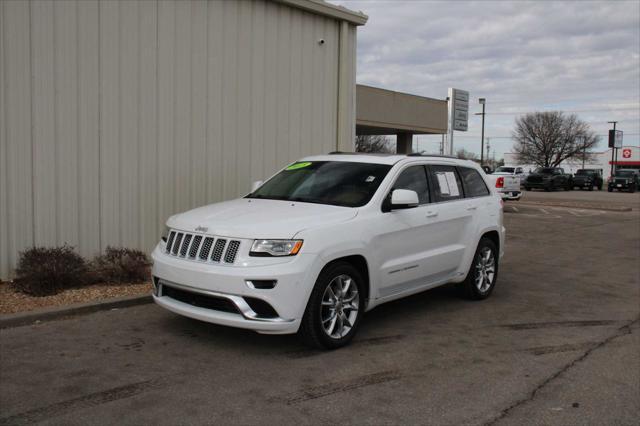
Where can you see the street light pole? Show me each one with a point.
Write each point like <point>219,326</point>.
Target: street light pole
<point>613,148</point>
<point>482,102</point>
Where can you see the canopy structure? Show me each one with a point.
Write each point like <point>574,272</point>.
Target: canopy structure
<point>385,112</point>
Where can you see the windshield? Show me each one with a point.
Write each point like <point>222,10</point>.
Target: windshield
<point>337,183</point>
<point>545,170</point>
<point>624,173</point>
<point>585,172</point>
<point>505,170</point>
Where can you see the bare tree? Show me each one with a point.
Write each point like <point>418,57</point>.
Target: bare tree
<point>466,155</point>
<point>548,138</point>
<point>373,144</point>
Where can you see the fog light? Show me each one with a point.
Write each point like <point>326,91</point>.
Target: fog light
<point>261,284</point>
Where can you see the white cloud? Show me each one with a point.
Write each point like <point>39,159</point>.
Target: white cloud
<point>522,56</point>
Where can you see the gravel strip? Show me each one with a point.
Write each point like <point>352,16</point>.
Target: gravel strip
<point>12,301</point>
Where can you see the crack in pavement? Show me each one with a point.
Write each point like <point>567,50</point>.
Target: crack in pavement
<point>622,331</point>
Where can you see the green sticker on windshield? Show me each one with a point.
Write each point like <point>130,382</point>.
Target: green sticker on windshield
<point>296,166</point>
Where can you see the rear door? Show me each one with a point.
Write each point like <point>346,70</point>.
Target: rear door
<point>449,222</point>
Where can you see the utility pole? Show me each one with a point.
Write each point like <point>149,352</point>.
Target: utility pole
<point>613,147</point>
<point>482,102</point>
<point>488,146</point>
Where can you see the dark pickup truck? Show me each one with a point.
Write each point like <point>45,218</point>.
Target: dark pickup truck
<point>587,179</point>
<point>624,180</point>
<point>549,179</point>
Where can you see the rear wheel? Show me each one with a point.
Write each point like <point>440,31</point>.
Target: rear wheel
<point>334,308</point>
<point>483,273</point>
<point>632,189</point>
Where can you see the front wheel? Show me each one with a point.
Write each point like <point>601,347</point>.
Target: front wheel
<point>483,273</point>
<point>335,307</point>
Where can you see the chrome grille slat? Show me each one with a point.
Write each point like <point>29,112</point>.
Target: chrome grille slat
<point>176,245</point>
<point>201,248</point>
<point>218,249</point>
<point>232,251</point>
<point>170,239</point>
<point>185,245</point>
<point>195,245</point>
<point>206,248</point>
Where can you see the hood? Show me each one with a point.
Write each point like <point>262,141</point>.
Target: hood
<point>255,218</point>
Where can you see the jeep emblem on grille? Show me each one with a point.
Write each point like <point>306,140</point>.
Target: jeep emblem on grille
<point>202,229</point>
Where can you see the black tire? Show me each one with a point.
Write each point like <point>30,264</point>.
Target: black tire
<point>311,329</point>
<point>632,189</point>
<point>600,186</point>
<point>591,188</point>
<point>468,287</point>
<point>527,188</point>
<point>548,188</point>
<point>610,189</point>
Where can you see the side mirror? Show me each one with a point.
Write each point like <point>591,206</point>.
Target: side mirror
<point>403,199</point>
<point>255,185</point>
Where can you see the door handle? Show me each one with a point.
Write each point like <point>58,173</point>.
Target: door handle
<point>472,207</point>
<point>432,214</point>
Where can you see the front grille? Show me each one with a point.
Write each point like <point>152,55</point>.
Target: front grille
<point>199,300</point>
<point>201,248</point>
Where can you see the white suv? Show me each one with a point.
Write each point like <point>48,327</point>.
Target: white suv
<point>328,238</point>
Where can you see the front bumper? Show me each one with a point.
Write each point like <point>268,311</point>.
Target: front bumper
<point>538,185</point>
<point>623,186</point>
<point>288,298</point>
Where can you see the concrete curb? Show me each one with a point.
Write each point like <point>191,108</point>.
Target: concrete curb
<point>576,206</point>
<point>50,314</point>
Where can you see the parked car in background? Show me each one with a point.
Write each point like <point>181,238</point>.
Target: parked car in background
<point>549,179</point>
<point>588,179</point>
<point>516,171</point>
<point>507,185</point>
<point>624,180</point>
<point>328,238</point>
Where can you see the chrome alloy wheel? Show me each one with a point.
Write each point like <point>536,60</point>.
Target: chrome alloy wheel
<point>340,304</point>
<point>485,269</point>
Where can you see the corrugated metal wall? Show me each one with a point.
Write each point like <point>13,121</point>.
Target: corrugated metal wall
<point>115,115</point>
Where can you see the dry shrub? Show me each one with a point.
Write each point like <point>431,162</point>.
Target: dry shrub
<point>119,264</point>
<point>44,271</point>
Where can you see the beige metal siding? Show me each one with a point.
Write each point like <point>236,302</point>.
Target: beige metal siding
<point>116,115</point>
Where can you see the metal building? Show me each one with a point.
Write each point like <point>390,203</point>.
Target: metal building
<point>115,115</point>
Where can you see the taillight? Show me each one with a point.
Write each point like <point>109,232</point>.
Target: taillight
<point>500,182</point>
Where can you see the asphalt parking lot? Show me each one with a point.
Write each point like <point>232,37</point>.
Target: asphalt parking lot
<point>557,343</point>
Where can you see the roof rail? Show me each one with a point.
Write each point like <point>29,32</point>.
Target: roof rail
<point>420,154</point>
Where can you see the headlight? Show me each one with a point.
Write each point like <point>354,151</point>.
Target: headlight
<point>165,233</point>
<point>266,248</point>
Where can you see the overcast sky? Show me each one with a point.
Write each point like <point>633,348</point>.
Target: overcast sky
<point>575,56</point>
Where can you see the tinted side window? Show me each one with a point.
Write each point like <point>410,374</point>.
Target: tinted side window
<point>415,179</point>
<point>446,183</point>
<point>474,185</point>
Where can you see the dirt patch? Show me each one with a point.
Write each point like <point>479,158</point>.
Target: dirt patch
<point>12,301</point>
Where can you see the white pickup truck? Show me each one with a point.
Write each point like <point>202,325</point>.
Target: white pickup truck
<point>508,186</point>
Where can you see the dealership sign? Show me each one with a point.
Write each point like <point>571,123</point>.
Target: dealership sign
<point>615,138</point>
<point>626,153</point>
<point>459,109</point>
